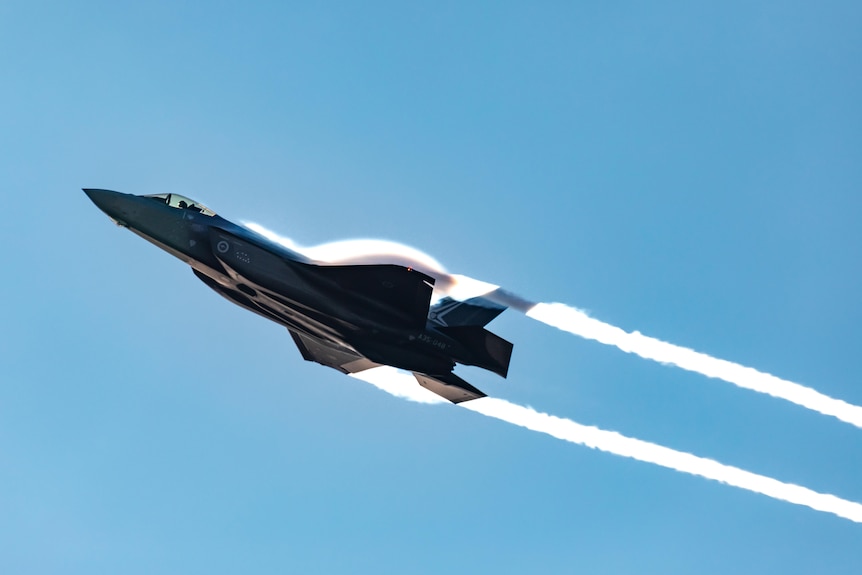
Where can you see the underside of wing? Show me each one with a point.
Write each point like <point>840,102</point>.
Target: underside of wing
<point>330,354</point>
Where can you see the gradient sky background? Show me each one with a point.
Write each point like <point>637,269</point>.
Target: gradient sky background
<point>689,170</point>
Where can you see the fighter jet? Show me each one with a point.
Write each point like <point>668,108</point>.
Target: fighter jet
<point>347,317</point>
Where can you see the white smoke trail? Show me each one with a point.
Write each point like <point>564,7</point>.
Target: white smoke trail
<point>579,323</point>
<point>613,442</point>
<point>403,385</point>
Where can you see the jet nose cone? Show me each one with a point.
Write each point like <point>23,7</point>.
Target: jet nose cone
<point>112,203</point>
<point>102,198</point>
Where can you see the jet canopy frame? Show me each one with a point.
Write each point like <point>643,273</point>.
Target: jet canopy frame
<point>181,202</point>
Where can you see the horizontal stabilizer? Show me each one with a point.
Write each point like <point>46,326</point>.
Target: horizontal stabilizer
<point>449,386</point>
<point>474,311</point>
<point>489,350</point>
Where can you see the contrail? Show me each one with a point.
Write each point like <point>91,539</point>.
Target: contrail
<point>577,322</point>
<point>403,385</point>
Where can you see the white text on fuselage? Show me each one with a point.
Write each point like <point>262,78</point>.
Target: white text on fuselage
<point>424,337</point>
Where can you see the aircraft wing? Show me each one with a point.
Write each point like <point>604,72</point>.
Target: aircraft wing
<point>330,354</point>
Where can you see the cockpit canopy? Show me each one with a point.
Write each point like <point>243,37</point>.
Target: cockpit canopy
<point>181,202</point>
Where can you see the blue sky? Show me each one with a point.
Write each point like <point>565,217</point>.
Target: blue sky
<point>687,170</point>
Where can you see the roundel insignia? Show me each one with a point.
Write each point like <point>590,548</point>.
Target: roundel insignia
<point>222,247</point>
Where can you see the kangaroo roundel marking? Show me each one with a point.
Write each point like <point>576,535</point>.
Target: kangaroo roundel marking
<point>222,247</point>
